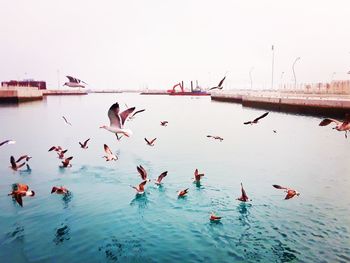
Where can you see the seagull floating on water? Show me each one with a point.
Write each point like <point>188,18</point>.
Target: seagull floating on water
<point>117,120</point>
<point>19,191</point>
<point>220,85</point>
<point>59,190</point>
<point>340,126</point>
<point>160,178</point>
<point>214,218</point>
<point>84,145</point>
<point>65,119</point>
<point>143,173</point>
<point>150,143</point>
<point>66,163</point>
<point>7,142</point>
<point>255,121</point>
<point>140,189</point>
<point>182,193</point>
<point>14,166</point>
<point>244,197</point>
<point>290,192</point>
<point>110,156</point>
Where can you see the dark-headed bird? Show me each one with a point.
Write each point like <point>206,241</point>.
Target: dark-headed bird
<point>340,126</point>
<point>66,163</point>
<point>19,191</point>
<point>7,142</point>
<point>84,145</point>
<point>243,197</point>
<point>143,173</point>
<point>74,82</point>
<point>182,193</point>
<point>117,120</point>
<point>290,192</point>
<point>110,156</point>
<point>140,189</point>
<point>255,121</point>
<point>197,176</point>
<point>59,190</point>
<point>150,143</point>
<point>220,84</point>
<point>164,123</point>
<point>160,178</point>
<point>14,166</point>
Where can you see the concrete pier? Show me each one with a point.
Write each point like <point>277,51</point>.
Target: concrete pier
<point>49,92</point>
<point>310,104</point>
<point>19,94</point>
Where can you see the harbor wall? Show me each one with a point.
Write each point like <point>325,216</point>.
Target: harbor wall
<point>13,94</point>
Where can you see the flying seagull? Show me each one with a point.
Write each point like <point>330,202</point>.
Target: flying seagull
<point>290,192</point>
<point>84,145</point>
<point>216,137</point>
<point>244,197</point>
<point>66,163</point>
<point>74,82</point>
<point>160,178</point>
<point>117,120</point>
<point>110,156</point>
<point>164,123</point>
<point>220,84</point>
<point>7,142</point>
<point>143,173</point>
<point>150,143</point>
<point>59,190</point>
<point>340,126</point>
<point>65,119</point>
<point>14,166</point>
<point>140,189</point>
<point>255,121</point>
<point>19,191</point>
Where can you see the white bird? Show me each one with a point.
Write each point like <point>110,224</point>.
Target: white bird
<point>117,120</point>
<point>340,126</point>
<point>110,156</point>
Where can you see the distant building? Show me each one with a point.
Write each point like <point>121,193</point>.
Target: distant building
<point>24,83</point>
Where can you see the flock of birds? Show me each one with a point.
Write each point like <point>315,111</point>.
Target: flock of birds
<point>117,121</point>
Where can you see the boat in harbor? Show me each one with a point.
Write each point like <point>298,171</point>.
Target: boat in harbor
<point>197,91</point>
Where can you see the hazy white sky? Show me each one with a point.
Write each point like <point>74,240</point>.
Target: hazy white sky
<point>134,43</point>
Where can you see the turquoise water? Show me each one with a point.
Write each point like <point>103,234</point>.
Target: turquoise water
<point>104,221</point>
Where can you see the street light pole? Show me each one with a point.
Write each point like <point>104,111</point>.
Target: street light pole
<point>295,78</point>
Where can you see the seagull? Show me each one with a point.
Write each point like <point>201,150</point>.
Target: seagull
<point>214,218</point>
<point>290,192</point>
<point>19,191</point>
<point>84,145</point>
<point>7,142</point>
<point>340,126</point>
<point>164,123</point>
<point>14,165</point>
<point>150,143</point>
<point>160,178</point>
<point>136,112</point>
<point>26,157</point>
<point>140,189</point>
<point>220,84</point>
<point>66,163</point>
<point>61,154</point>
<point>74,82</point>
<point>65,119</point>
<point>274,131</point>
<point>257,119</point>
<point>197,176</point>
<point>117,120</point>
<point>216,137</point>
<point>182,193</point>
<point>143,173</point>
<point>55,148</point>
<point>59,190</point>
<point>110,156</point>
<point>244,197</point>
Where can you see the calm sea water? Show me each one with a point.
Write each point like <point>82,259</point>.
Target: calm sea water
<point>103,220</point>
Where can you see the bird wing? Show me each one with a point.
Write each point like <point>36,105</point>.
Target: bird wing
<point>279,187</point>
<point>147,141</point>
<point>113,115</point>
<point>71,79</point>
<point>66,161</point>
<point>13,162</point>
<point>85,143</point>
<point>248,122</point>
<point>222,81</point>
<point>52,148</point>
<point>196,173</point>
<point>21,165</point>
<point>66,120</point>
<point>142,185</point>
<point>161,176</point>
<point>54,189</point>
<point>244,194</point>
<point>213,88</point>
<point>7,141</point>
<point>107,150</point>
<point>21,158</point>
<point>327,121</point>
<point>124,115</point>
<point>18,198</point>
<point>262,116</point>
<point>137,112</point>
<point>153,140</point>
<point>142,172</point>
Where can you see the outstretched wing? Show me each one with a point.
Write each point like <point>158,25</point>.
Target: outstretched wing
<point>248,122</point>
<point>153,140</point>
<point>13,162</point>
<point>327,121</point>
<point>21,158</point>
<point>113,115</point>
<point>279,187</point>
<point>213,88</point>
<point>18,198</point>
<point>148,142</point>
<point>142,172</point>
<point>142,185</point>
<point>161,176</point>
<point>71,79</point>
<point>136,112</point>
<point>85,143</point>
<point>221,82</point>
<point>262,116</point>
<point>107,150</point>
<point>124,115</point>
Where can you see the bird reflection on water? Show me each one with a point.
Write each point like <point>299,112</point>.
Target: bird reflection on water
<point>140,200</point>
<point>62,234</point>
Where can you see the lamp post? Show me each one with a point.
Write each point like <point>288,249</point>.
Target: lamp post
<point>251,79</point>
<point>295,78</point>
